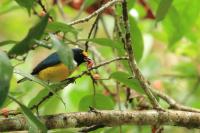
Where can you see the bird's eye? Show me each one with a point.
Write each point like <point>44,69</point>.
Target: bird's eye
<point>85,54</point>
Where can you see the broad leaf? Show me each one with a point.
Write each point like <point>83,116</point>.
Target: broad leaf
<point>180,21</point>
<point>28,4</point>
<point>7,42</point>
<point>38,98</point>
<point>124,78</point>
<point>137,40</point>
<point>33,78</point>
<point>58,26</point>
<point>34,122</point>
<point>7,6</point>
<point>6,71</point>
<point>42,83</point>
<point>98,101</point>
<point>130,4</point>
<point>174,26</point>
<point>64,52</point>
<point>35,33</point>
<point>163,8</point>
<point>109,43</point>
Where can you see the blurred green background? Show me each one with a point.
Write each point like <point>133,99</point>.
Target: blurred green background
<point>170,59</point>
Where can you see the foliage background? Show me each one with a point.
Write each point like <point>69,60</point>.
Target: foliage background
<point>170,59</point>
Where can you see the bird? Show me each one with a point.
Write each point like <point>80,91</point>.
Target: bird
<point>51,69</point>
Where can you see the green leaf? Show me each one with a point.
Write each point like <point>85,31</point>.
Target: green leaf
<point>118,9</point>
<point>190,16</point>
<point>33,78</point>
<point>137,39</point>
<point>6,71</point>
<point>124,78</point>
<point>38,97</point>
<point>28,4</point>
<point>33,121</point>
<point>7,42</point>
<point>64,52</point>
<point>42,83</point>
<point>7,6</point>
<point>88,3</point>
<point>98,101</point>
<point>181,20</point>
<point>35,33</point>
<point>131,4</point>
<point>58,26</point>
<point>109,43</point>
<point>174,26</point>
<point>163,8</point>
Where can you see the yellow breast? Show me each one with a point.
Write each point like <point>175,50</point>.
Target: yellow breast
<point>55,73</point>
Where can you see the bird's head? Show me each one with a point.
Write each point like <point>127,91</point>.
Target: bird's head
<point>81,56</point>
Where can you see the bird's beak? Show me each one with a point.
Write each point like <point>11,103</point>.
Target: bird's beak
<point>89,61</point>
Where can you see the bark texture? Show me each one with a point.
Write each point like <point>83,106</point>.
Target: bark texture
<point>107,118</point>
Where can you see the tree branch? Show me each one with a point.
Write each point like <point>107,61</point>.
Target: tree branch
<point>132,62</point>
<point>107,118</point>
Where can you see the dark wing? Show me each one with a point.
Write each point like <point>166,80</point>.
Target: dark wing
<point>51,60</point>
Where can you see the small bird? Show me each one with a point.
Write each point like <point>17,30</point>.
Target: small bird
<point>51,69</point>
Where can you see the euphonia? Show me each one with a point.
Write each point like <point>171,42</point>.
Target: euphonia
<point>51,69</point>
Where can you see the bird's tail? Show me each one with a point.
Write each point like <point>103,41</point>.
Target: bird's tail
<point>22,80</point>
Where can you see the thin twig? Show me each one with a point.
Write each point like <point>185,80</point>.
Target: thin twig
<point>173,104</point>
<point>100,10</point>
<point>42,6</point>
<point>91,128</point>
<point>44,9</point>
<point>94,26</point>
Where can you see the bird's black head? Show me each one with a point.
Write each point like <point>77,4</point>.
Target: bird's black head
<point>80,56</point>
